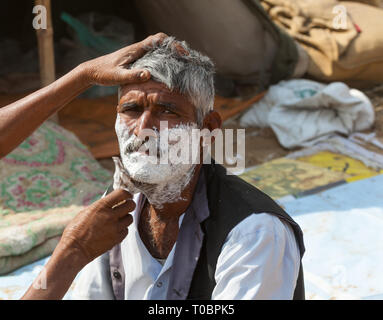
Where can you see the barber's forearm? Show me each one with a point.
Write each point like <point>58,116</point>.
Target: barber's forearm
<point>19,119</point>
<point>57,275</point>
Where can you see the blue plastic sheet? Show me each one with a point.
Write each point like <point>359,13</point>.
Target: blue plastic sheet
<point>344,240</point>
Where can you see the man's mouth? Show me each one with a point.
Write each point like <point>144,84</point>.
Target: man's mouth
<point>143,148</point>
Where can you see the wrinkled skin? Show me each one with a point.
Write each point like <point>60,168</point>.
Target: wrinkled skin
<point>100,227</point>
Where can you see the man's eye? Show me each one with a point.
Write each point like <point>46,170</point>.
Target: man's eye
<point>168,111</point>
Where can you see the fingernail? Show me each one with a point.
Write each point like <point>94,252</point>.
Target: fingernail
<point>144,75</point>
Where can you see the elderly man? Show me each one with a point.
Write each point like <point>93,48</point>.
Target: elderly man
<point>197,232</point>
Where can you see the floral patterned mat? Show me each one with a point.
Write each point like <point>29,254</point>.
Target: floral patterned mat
<point>44,182</point>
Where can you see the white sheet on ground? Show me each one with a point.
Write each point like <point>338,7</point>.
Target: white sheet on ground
<point>301,110</point>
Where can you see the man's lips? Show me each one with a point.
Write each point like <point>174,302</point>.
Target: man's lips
<point>144,152</point>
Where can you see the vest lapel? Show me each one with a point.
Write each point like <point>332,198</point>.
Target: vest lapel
<point>189,243</point>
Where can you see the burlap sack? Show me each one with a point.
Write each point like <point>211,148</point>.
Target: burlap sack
<point>351,51</point>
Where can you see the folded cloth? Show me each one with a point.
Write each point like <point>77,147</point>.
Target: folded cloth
<point>302,110</point>
<point>10,263</point>
<point>45,181</point>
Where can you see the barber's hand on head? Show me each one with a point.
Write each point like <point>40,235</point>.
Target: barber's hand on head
<point>112,69</point>
<point>99,227</point>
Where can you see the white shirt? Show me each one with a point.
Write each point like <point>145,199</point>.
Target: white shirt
<point>260,259</point>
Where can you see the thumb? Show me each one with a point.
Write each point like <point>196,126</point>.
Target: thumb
<point>115,197</point>
<point>133,75</point>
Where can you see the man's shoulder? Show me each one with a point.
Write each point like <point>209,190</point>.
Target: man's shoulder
<point>229,194</point>
<point>262,225</point>
<point>233,186</point>
<point>266,245</point>
<point>264,235</point>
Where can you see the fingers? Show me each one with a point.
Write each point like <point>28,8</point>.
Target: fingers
<point>124,208</point>
<point>126,76</point>
<point>125,222</point>
<point>122,234</point>
<point>131,54</point>
<point>112,69</point>
<point>115,197</point>
<point>180,49</point>
<point>145,45</point>
<point>154,40</point>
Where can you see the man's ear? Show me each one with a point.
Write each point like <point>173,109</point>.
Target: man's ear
<point>212,121</point>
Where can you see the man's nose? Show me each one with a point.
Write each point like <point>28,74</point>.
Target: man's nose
<point>145,125</point>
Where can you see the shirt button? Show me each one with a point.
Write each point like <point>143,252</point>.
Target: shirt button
<point>116,274</point>
<point>159,284</point>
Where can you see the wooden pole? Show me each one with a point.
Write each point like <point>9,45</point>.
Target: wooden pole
<point>46,49</point>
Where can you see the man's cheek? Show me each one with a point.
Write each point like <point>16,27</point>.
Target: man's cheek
<point>123,130</point>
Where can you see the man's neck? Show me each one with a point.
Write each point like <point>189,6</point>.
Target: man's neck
<point>158,227</point>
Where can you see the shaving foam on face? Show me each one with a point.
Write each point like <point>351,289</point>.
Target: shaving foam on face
<point>137,172</point>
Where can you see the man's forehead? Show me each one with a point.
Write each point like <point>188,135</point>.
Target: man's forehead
<point>151,86</point>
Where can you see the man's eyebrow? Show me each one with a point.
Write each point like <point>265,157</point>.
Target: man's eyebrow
<point>128,103</point>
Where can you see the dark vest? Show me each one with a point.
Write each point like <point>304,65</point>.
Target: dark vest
<point>230,200</point>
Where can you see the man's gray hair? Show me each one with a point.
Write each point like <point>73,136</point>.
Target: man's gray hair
<point>191,73</point>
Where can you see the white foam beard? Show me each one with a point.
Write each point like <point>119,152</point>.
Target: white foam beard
<point>138,172</point>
